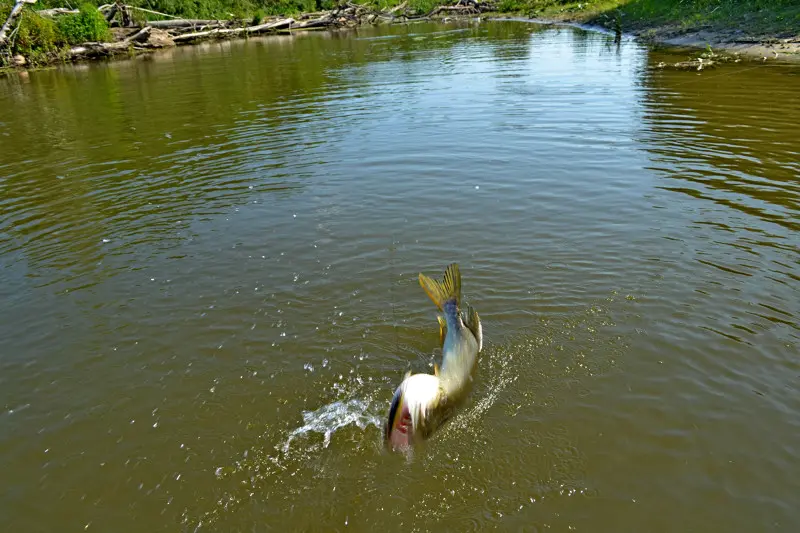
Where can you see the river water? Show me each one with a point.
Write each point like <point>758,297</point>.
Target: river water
<point>209,263</point>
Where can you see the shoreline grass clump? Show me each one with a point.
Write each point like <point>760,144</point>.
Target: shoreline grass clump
<point>40,39</point>
<point>89,25</point>
<point>36,38</point>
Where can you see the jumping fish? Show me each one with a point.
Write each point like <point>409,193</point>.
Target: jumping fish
<point>423,402</point>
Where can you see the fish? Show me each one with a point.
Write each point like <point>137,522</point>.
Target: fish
<point>422,403</point>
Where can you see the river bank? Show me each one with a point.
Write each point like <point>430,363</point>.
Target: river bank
<point>749,28</point>
<point>36,38</point>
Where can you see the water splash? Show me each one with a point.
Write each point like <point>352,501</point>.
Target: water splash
<point>333,416</point>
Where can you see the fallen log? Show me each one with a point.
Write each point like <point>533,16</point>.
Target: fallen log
<point>110,11</point>
<point>184,23</point>
<point>692,64</point>
<point>15,12</point>
<point>92,50</point>
<point>51,13</point>
<point>399,7</point>
<point>315,23</point>
<point>153,12</point>
<point>461,10</point>
<point>306,16</point>
<point>163,33</point>
<point>122,9</point>
<point>261,28</point>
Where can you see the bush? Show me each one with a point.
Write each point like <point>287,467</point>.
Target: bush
<point>423,7</point>
<point>36,37</point>
<point>509,6</point>
<point>259,17</point>
<point>88,25</point>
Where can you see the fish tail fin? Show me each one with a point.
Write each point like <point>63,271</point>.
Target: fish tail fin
<point>446,290</point>
<point>442,329</point>
<point>473,323</point>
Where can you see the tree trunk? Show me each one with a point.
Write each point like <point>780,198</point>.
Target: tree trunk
<point>15,12</point>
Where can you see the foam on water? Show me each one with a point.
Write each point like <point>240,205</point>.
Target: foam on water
<point>333,416</point>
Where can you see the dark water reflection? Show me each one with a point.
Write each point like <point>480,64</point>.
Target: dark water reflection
<point>209,262</point>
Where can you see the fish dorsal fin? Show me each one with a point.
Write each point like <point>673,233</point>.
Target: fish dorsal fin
<point>473,322</point>
<point>447,289</point>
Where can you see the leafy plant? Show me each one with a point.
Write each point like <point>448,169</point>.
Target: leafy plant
<point>88,25</point>
<point>423,6</point>
<point>508,6</point>
<point>259,16</point>
<point>36,37</point>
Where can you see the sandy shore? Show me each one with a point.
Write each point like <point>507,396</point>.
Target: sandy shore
<point>736,41</point>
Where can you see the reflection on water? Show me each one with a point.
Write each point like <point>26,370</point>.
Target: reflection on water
<point>209,263</point>
<point>723,137</point>
<point>715,139</point>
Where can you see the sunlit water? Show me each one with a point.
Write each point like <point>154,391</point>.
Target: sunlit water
<point>209,285</point>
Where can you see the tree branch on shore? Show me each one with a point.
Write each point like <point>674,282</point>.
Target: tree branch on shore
<point>176,30</point>
<point>16,11</point>
<point>54,12</point>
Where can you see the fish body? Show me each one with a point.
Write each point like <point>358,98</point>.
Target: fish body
<point>423,402</point>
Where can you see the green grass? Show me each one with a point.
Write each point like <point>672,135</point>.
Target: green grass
<point>36,38</point>
<point>88,25</point>
<point>39,39</point>
<point>754,16</point>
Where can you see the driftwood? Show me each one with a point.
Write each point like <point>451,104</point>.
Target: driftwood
<point>464,7</point>
<point>87,50</point>
<point>692,64</point>
<point>321,22</point>
<point>183,23</point>
<point>110,13</point>
<point>222,32</point>
<point>15,12</point>
<point>51,13</point>
<point>145,38</point>
<point>347,14</point>
<point>176,30</point>
<point>398,7</point>
<point>152,12</point>
<point>313,14</point>
<point>460,10</point>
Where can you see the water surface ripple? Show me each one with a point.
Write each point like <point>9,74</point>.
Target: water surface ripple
<point>209,262</point>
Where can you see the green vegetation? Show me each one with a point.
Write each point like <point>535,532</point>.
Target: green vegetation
<point>36,37</point>
<point>88,25</point>
<point>754,16</point>
<point>41,40</point>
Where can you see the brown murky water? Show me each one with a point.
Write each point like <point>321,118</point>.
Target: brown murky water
<point>208,282</point>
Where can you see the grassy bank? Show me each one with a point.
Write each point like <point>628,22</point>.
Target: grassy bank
<point>758,17</point>
<point>39,39</point>
<point>42,40</point>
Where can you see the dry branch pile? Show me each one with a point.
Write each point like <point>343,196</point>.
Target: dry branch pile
<point>132,36</point>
